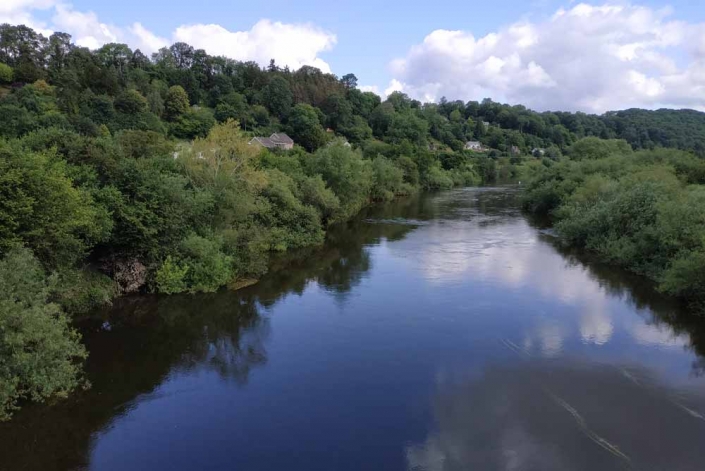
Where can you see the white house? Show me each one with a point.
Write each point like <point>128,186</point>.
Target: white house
<point>474,146</point>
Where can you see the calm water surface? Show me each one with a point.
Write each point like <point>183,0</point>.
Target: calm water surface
<point>443,332</point>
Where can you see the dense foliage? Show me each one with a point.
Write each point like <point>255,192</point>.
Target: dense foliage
<point>121,173</point>
<point>642,210</point>
<point>38,349</point>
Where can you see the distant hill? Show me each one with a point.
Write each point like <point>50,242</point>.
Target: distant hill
<point>105,87</point>
<point>682,129</point>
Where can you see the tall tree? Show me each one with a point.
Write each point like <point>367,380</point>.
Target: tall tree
<point>176,102</point>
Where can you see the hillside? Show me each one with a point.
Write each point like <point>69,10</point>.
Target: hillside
<point>91,90</point>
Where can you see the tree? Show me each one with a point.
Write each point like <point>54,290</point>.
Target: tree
<point>40,353</point>
<point>349,80</point>
<point>338,111</point>
<point>5,73</point>
<point>131,102</point>
<point>362,102</point>
<point>595,148</point>
<point>346,173</point>
<point>155,102</point>
<point>41,209</point>
<point>192,124</point>
<point>305,128</point>
<point>480,129</point>
<point>357,130</point>
<point>175,103</point>
<point>277,97</point>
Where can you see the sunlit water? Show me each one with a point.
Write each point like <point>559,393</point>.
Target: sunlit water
<point>443,332</point>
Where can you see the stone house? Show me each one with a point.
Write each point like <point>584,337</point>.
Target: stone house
<point>277,140</point>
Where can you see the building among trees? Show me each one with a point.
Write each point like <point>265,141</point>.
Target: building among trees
<point>277,140</point>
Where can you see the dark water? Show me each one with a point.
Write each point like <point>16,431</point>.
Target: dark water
<point>444,332</point>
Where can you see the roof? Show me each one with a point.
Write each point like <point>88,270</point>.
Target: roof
<point>473,143</point>
<point>281,138</point>
<point>264,141</point>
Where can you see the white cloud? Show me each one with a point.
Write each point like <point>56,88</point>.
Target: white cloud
<point>146,40</point>
<point>12,6</point>
<point>290,45</point>
<point>86,29</point>
<point>590,58</point>
<point>371,88</point>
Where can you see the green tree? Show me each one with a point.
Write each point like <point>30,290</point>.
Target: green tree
<point>338,111</point>
<point>349,81</point>
<point>155,102</point>
<point>42,209</point>
<point>278,97</point>
<point>305,128</point>
<point>40,353</point>
<point>594,148</point>
<point>6,73</point>
<point>176,103</point>
<point>346,173</point>
<point>131,102</point>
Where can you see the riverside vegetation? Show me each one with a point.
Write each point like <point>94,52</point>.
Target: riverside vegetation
<point>121,173</point>
<point>644,210</point>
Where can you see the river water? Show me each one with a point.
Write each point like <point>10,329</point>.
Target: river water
<point>441,332</point>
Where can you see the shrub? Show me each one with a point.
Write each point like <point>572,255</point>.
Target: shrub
<point>6,73</point>
<point>40,353</point>
<point>171,277</point>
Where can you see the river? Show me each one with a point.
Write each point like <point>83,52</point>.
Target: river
<point>440,332</point>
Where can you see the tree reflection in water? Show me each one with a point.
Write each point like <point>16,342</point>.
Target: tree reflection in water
<point>152,337</point>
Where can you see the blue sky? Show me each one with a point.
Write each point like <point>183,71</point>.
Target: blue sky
<point>370,35</point>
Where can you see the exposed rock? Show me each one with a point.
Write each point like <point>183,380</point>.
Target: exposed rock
<point>129,274</point>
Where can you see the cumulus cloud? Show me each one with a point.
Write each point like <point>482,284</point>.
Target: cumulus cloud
<point>589,57</point>
<point>145,40</point>
<point>87,30</point>
<point>292,45</point>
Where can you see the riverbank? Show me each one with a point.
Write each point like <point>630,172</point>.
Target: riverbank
<point>643,211</point>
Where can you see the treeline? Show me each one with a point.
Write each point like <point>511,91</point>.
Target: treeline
<point>120,88</point>
<point>642,210</point>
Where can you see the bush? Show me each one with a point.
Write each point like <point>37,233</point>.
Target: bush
<point>686,277</point>
<point>40,354</point>
<point>346,173</point>
<point>171,277</point>
<point>438,179</point>
<point>6,73</point>
<point>388,180</point>
<point>635,210</point>
<point>80,291</point>
<point>206,267</point>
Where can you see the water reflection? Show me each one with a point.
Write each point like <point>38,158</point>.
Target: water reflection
<point>335,352</point>
<point>153,338</point>
<point>563,415</point>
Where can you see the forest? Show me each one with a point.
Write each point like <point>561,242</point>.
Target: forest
<point>122,173</point>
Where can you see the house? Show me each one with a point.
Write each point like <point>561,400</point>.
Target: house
<point>277,140</point>
<point>537,151</point>
<point>475,146</point>
<point>514,150</point>
<point>339,141</point>
<point>486,123</point>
